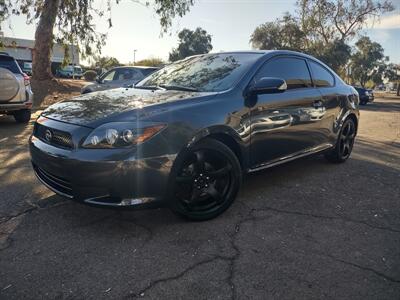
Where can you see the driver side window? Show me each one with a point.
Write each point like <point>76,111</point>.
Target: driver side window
<point>293,70</point>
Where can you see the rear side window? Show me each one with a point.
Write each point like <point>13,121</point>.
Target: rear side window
<point>9,63</point>
<point>322,77</point>
<point>293,70</point>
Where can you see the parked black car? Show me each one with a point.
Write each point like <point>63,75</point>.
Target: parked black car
<point>185,135</point>
<point>365,95</point>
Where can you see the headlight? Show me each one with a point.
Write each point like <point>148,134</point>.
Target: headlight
<point>120,135</point>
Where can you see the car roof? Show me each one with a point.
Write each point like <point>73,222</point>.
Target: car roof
<point>5,55</point>
<point>135,67</point>
<point>264,52</point>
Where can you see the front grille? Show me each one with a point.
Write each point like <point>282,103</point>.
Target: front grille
<point>57,184</point>
<point>53,136</point>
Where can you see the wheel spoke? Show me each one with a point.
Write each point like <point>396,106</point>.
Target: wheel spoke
<point>212,191</point>
<point>195,195</point>
<point>346,149</point>
<point>184,179</point>
<point>346,130</point>
<point>220,172</point>
<point>199,165</point>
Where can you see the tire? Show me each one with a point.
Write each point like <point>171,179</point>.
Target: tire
<point>206,180</point>
<point>344,143</point>
<point>22,116</point>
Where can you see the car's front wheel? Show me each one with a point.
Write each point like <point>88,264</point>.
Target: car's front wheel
<point>207,180</point>
<point>344,144</point>
<point>22,116</point>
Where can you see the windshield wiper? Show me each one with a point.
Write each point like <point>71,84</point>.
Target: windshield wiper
<point>148,87</point>
<point>178,88</point>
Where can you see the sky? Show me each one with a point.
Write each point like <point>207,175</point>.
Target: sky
<point>230,23</point>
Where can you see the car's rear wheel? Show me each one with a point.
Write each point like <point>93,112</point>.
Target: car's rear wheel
<point>344,144</point>
<point>22,116</point>
<point>207,180</point>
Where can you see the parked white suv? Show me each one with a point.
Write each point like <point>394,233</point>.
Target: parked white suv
<point>16,96</point>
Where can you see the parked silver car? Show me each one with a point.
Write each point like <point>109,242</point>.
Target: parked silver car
<point>16,96</point>
<point>118,77</point>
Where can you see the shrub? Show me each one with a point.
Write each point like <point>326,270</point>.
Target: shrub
<point>90,75</point>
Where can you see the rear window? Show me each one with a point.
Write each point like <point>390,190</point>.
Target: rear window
<point>9,63</point>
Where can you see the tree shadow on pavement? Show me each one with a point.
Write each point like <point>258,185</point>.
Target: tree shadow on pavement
<point>381,106</point>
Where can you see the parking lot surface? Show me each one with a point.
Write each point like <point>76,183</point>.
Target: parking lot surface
<point>305,230</point>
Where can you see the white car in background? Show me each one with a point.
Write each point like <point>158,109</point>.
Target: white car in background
<point>16,96</point>
<point>70,72</point>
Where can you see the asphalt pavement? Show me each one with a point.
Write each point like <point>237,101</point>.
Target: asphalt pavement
<point>305,230</point>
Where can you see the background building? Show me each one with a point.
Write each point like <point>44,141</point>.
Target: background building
<point>22,50</point>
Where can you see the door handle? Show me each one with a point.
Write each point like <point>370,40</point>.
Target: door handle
<point>318,104</point>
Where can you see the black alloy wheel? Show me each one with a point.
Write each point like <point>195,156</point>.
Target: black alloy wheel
<point>207,181</point>
<point>344,144</point>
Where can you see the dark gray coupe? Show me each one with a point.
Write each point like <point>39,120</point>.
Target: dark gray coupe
<point>185,135</point>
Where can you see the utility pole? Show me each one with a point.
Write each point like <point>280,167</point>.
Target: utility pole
<point>134,57</point>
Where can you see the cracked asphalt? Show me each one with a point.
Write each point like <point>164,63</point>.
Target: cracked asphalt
<point>305,230</point>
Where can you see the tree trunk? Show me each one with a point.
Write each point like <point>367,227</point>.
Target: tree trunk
<point>41,65</point>
<point>398,89</point>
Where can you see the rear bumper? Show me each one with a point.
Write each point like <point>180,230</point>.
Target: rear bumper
<point>119,183</point>
<point>5,108</point>
<point>14,104</point>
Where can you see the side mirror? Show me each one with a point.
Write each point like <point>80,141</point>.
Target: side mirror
<point>268,85</point>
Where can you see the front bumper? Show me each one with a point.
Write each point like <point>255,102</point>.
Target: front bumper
<point>367,98</point>
<point>93,178</point>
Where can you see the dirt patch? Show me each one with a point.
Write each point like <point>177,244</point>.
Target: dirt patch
<point>386,95</point>
<point>51,91</point>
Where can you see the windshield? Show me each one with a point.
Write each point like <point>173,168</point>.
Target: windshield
<point>206,73</point>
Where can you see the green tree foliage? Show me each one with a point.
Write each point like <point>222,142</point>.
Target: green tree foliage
<point>392,73</point>
<point>368,62</point>
<point>71,22</point>
<point>105,62</point>
<point>191,43</point>
<point>90,75</point>
<point>280,34</point>
<point>150,62</point>
<point>321,28</point>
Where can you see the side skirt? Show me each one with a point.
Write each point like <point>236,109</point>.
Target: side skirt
<point>291,157</point>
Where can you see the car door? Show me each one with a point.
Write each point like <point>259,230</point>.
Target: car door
<point>285,124</point>
<point>325,82</point>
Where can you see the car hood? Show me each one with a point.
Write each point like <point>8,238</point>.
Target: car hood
<point>95,108</point>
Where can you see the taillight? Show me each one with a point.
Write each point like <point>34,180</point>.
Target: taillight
<point>26,79</point>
